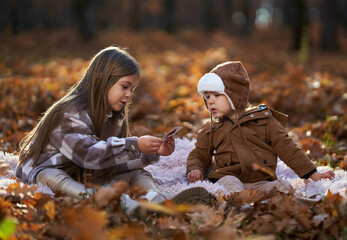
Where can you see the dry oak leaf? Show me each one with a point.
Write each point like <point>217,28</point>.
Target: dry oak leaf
<point>265,170</point>
<point>18,189</point>
<point>207,217</point>
<point>225,232</point>
<point>343,164</point>
<point>5,206</point>
<point>318,219</point>
<point>168,207</point>
<point>169,223</point>
<point>247,196</point>
<point>127,231</point>
<point>105,196</point>
<point>84,223</point>
<point>304,219</point>
<point>50,209</point>
<point>332,203</point>
<point>4,167</point>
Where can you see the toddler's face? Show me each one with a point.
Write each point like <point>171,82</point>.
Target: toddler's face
<point>121,92</point>
<point>218,104</point>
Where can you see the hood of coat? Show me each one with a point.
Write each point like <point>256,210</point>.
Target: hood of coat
<point>231,79</point>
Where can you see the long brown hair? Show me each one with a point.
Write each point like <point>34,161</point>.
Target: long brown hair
<point>104,70</point>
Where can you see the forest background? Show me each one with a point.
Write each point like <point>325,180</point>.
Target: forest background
<point>294,52</point>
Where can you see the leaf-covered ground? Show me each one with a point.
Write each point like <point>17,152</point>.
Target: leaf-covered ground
<point>37,68</point>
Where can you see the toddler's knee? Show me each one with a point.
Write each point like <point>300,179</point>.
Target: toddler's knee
<point>231,183</point>
<point>284,186</point>
<point>229,179</point>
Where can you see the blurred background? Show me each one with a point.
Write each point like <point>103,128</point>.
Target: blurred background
<point>320,19</point>
<point>295,53</point>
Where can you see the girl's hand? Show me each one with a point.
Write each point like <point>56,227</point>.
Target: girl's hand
<point>195,175</point>
<point>318,176</point>
<point>149,144</point>
<point>167,147</point>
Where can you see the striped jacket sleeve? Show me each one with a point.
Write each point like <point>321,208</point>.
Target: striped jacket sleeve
<point>74,139</point>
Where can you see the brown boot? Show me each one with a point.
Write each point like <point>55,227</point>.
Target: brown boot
<point>194,195</point>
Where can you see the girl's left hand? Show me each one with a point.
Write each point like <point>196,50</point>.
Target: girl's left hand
<point>167,147</point>
<point>318,176</point>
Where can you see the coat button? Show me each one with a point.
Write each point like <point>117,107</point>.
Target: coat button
<point>266,113</point>
<point>251,115</point>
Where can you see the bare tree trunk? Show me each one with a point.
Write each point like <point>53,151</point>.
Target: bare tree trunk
<point>343,13</point>
<point>20,16</point>
<point>295,15</point>
<point>85,12</point>
<point>210,18</point>
<point>227,15</point>
<point>169,16</point>
<point>246,28</point>
<point>329,25</point>
<point>300,22</point>
<point>135,14</point>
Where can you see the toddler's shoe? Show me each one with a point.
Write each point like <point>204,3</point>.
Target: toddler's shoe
<point>194,195</point>
<point>311,200</point>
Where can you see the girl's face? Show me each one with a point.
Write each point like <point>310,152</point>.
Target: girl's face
<point>121,92</point>
<point>218,104</point>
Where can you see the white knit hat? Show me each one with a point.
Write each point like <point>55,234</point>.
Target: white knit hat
<point>211,82</point>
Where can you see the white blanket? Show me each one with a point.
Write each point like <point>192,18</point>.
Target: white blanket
<point>169,173</point>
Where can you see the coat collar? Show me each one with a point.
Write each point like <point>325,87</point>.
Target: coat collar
<point>252,114</point>
<point>262,111</point>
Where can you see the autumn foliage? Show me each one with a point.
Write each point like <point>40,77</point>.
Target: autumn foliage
<point>38,68</point>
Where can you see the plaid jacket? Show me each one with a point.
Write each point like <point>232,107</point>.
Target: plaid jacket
<point>73,144</point>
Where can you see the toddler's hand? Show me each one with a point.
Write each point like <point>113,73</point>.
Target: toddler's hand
<point>149,144</point>
<point>195,175</point>
<point>318,176</point>
<point>167,147</point>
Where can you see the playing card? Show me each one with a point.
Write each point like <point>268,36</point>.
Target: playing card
<point>172,132</point>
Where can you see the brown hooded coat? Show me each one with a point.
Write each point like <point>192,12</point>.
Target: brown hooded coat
<point>258,136</point>
<point>266,139</point>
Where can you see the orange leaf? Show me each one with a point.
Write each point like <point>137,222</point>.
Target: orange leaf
<point>268,171</point>
<point>50,209</point>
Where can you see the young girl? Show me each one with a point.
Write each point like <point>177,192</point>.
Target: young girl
<point>239,137</point>
<point>84,136</point>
